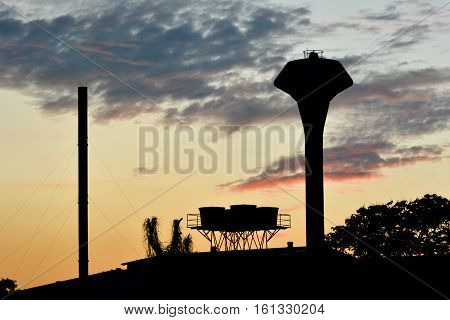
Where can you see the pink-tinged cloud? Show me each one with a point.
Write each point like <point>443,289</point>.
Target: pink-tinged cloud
<point>350,162</point>
<point>92,49</point>
<point>116,44</point>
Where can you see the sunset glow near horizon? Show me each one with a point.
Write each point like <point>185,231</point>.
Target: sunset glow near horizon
<point>386,138</point>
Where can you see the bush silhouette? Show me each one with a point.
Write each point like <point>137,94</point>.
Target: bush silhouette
<point>7,286</point>
<point>415,228</point>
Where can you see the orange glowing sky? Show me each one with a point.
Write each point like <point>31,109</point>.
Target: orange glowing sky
<point>386,138</point>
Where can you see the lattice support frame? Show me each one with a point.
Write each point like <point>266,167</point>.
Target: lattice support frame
<point>238,240</point>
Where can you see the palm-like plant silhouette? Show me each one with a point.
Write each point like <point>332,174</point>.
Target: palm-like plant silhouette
<point>178,245</point>
<point>151,238</point>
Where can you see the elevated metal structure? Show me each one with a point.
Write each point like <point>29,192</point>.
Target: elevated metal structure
<point>242,227</point>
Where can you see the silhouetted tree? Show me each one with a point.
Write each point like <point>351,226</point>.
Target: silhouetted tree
<point>177,245</point>
<point>414,228</point>
<point>151,237</point>
<point>188,245</point>
<point>7,286</point>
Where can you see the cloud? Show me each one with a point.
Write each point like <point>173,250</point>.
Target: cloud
<point>350,162</point>
<point>176,53</point>
<point>61,104</point>
<point>384,16</point>
<point>349,60</point>
<point>404,24</point>
<point>408,36</point>
<point>395,87</point>
<point>389,13</point>
<point>207,62</point>
<point>395,105</point>
<point>385,107</point>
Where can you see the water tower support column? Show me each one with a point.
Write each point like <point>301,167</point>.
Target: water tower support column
<point>314,186</point>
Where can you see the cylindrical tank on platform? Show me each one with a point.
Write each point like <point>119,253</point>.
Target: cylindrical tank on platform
<point>267,217</point>
<point>212,217</point>
<point>242,215</point>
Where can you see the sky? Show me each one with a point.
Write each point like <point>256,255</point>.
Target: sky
<point>162,65</point>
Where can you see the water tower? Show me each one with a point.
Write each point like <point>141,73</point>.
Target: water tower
<point>242,227</point>
<point>313,82</point>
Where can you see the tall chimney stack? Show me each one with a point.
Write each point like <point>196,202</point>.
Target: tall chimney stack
<point>83,258</point>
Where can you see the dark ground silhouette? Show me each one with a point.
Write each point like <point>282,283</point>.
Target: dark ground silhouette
<point>286,273</point>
